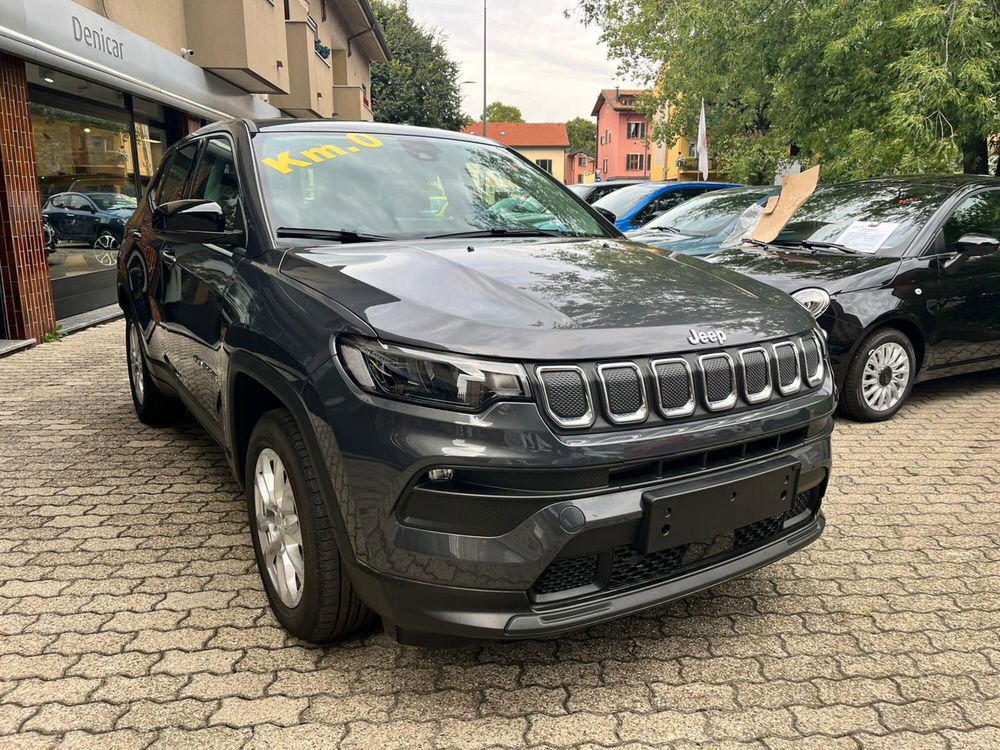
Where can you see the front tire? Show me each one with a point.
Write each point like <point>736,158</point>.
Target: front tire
<point>880,376</point>
<point>300,565</point>
<point>152,406</point>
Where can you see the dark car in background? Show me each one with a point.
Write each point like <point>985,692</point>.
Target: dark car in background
<point>95,218</point>
<point>474,427</point>
<point>699,226</point>
<point>594,191</point>
<point>639,204</point>
<point>903,275</point>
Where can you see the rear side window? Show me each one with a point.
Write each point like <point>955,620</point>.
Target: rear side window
<point>76,202</point>
<point>171,184</point>
<point>215,179</point>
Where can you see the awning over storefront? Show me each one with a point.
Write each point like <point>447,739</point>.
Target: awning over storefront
<point>66,36</point>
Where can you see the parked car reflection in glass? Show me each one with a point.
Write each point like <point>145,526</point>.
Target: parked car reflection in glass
<point>98,219</point>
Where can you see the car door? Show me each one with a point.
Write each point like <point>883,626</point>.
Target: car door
<point>81,217</point>
<point>968,294</point>
<point>195,311</point>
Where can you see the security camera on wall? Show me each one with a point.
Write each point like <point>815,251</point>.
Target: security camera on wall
<point>185,52</point>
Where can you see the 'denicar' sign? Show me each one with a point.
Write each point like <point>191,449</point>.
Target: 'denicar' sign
<point>97,39</point>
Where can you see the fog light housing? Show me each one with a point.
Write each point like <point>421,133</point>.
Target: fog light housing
<point>440,475</point>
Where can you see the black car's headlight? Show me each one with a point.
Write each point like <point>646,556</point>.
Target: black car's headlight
<point>813,299</point>
<point>433,378</point>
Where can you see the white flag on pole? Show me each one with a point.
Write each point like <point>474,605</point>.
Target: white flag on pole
<point>702,144</point>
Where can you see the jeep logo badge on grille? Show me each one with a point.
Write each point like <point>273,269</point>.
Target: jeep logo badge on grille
<point>707,337</point>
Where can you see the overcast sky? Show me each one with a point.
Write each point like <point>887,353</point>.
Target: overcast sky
<point>549,66</point>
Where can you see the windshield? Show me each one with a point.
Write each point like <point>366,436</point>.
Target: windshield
<point>407,187</point>
<point>109,201</point>
<point>620,202</point>
<point>869,217</point>
<point>712,212</point>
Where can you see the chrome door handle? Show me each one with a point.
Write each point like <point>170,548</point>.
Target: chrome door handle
<point>168,256</point>
<point>136,234</point>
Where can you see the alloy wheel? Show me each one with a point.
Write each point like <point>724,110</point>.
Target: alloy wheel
<point>107,246</point>
<point>885,377</point>
<point>279,532</point>
<point>135,363</point>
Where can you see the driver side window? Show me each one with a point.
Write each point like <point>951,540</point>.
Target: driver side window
<point>978,214</point>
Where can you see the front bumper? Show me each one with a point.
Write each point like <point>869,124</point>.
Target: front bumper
<point>473,580</point>
<point>420,613</point>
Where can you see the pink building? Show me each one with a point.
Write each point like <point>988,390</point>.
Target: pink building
<point>579,167</point>
<point>622,147</point>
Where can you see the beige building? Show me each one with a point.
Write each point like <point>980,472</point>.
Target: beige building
<point>307,58</point>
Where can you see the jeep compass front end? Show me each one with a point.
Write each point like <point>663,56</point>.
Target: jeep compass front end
<point>455,395</point>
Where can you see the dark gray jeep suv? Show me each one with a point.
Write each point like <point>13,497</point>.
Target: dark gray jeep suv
<point>454,394</point>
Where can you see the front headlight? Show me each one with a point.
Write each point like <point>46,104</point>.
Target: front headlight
<point>813,299</point>
<point>432,378</point>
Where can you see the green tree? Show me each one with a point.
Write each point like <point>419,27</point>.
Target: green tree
<point>864,87</point>
<point>500,112</point>
<point>419,86</point>
<point>582,134</point>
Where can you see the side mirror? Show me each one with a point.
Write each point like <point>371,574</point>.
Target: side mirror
<point>606,214</point>
<point>193,220</point>
<point>972,245</point>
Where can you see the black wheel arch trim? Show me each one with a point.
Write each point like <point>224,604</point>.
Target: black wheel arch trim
<point>293,392</point>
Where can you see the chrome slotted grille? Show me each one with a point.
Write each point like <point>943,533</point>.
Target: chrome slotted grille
<point>567,397</point>
<point>719,379</point>
<point>789,377</point>
<point>756,374</point>
<point>674,387</point>
<point>812,354</point>
<point>631,392</point>
<point>624,392</point>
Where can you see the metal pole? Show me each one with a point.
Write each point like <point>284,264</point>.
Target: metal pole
<point>484,68</point>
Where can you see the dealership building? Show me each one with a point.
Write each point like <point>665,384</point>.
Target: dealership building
<point>93,91</point>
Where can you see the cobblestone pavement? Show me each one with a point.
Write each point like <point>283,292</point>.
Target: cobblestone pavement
<point>131,613</point>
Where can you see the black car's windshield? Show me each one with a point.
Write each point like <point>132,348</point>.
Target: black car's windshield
<point>406,187</point>
<point>878,216</point>
<point>622,201</point>
<point>111,201</point>
<point>709,214</point>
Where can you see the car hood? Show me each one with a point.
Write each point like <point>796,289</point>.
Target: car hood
<point>542,299</point>
<point>790,270</point>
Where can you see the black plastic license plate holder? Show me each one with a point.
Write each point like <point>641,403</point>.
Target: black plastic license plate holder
<point>691,512</point>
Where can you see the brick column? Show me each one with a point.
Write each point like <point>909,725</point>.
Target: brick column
<point>24,271</point>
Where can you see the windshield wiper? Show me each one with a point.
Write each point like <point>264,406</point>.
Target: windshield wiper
<point>499,232</point>
<point>338,235</point>
<point>675,230</point>
<point>815,245</point>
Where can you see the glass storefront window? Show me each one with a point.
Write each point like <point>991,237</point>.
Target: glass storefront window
<point>86,181</point>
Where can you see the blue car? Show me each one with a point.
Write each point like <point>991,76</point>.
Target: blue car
<point>639,204</point>
<point>700,225</point>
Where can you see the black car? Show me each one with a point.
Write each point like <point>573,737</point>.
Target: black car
<point>903,275</point>
<point>472,425</point>
<point>592,191</point>
<point>95,218</point>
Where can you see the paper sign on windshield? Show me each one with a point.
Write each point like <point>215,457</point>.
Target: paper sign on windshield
<point>867,236</point>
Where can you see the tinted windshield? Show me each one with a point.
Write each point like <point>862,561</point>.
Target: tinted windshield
<point>712,212</point>
<point>870,217</point>
<point>622,201</point>
<point>107,201</point>
<point>409,186</point>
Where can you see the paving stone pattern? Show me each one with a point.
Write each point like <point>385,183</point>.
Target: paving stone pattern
<point>131,614</point>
